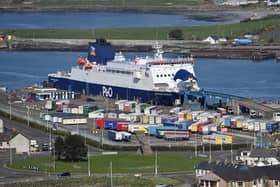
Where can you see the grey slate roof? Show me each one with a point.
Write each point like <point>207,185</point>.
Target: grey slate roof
<point>264,153</point>
<point>231,172</point>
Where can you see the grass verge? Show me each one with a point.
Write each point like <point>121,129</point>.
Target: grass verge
<point>122,163</point>
<point>101,181</point>
<point>152,33</point>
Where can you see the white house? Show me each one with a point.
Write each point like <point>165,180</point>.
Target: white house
<point>211,40</point>
<point>273,2</point>
<point>20,143</point>
<point>259,157</point>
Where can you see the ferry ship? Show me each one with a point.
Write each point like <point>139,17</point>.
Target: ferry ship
<point>157,79</point>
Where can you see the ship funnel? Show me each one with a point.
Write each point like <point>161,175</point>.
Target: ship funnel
<point>100,51</point>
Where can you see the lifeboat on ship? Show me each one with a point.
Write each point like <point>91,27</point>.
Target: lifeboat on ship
<point>81,61</point>
<point>88,66</point>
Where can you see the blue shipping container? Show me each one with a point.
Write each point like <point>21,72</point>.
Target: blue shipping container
<point>110,124</point>
<point>272,126</point>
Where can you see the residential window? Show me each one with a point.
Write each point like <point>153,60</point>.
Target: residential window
<point>276,182</point>
<point>240,183</point>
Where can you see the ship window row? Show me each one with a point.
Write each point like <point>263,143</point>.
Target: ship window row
<point>165,75</point>
<point>118,71</point>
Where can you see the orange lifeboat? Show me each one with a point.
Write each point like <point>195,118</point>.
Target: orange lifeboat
<point>88,66</point>
<point>81,61</point>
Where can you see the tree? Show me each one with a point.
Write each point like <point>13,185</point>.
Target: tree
<point>59,147</point>
<point>176,34</point>
<point>75,148</point>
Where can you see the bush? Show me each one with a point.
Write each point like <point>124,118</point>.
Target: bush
<point>176,34</point>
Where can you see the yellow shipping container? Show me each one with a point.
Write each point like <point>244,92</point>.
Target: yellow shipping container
<point>143,129</point>
<point>194,128</point>
<point>145,119</point>
<point>219,140</point>
<point>189,116</point>
<point>239,124</point>
<point>229,140</point>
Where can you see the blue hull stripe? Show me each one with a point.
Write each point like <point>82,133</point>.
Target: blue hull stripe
<point>161,98</point>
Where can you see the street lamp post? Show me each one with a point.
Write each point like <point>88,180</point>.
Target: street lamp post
<point>28,115</point>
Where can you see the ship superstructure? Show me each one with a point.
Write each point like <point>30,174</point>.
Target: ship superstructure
<point>147,79</point>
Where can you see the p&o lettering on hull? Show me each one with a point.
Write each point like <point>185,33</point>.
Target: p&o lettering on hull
<point>107,92</point>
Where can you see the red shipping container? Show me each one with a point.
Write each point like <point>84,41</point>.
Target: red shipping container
<point>201,125</point>
<point>121,126</point>
<point>99,123</point>
<point>127,108</point>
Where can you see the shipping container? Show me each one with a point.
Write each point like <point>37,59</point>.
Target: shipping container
<point>50,105</point>
<point>124,116</point>
<point>135,117</point>
<point>121,105</point>
<point>222,111</point>
<point>202,127</point>
<point>99,123</point>
<point>177,135</point>
<point>114,135</point>
<point>175,110</point>
<point>58,106</point>
<point>193,128</point>
<point>272,126</point>
<point>74,121</point>
<point>276,116</point>
<point>185,124</point>
<point>217,139</point>
<point>182,115</point>
<point>96,114</point>
<point>152,119</point>
<point>112,115</point>
<point>161,130</point>
<point>140,107</point>
<point>152,129</point>
<point>110,123</point>
<point>137,127</point>
<point>145,119</point>
<point>158,119</point>
<point>148,110</point>
<point>122,126</point>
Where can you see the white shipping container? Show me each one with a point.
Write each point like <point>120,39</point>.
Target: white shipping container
<point>152,119</point>
<point>74,121</point>
<point>66,110</point>
<point>124,116</point>
<point>48,105</point>
<point>158,119</point>
<point>54,119</point>
<point>75,111</point>
<point>112,115</point>
<point>96,114</point>
<point>80,109</point>
<point>121,104</point>
<point>59,120</point>
<point>48,117</point>
<point>1,126</point>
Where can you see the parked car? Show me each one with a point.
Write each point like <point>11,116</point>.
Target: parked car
<point>64,174</point>
<point>161,185</point>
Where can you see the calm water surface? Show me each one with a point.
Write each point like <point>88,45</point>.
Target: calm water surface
<point>240,77</point>
<point>95,20</point>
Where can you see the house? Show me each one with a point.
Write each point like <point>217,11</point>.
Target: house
<point>4,141</point>
<point>212,40</point>
<point>20,142</point>
<point>233,175</point>
<point>273,2</point>
<point>259,157</point>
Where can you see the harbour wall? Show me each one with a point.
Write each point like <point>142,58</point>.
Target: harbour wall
<point>174,46</point>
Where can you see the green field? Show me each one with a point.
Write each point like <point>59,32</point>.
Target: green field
<point>153,33</point>
<point>122,163</point>
<point>102,181</point>
<point>111,2</point>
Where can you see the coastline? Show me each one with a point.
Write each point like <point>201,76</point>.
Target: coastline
<point>203,12</point>
<point>173,46</point>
